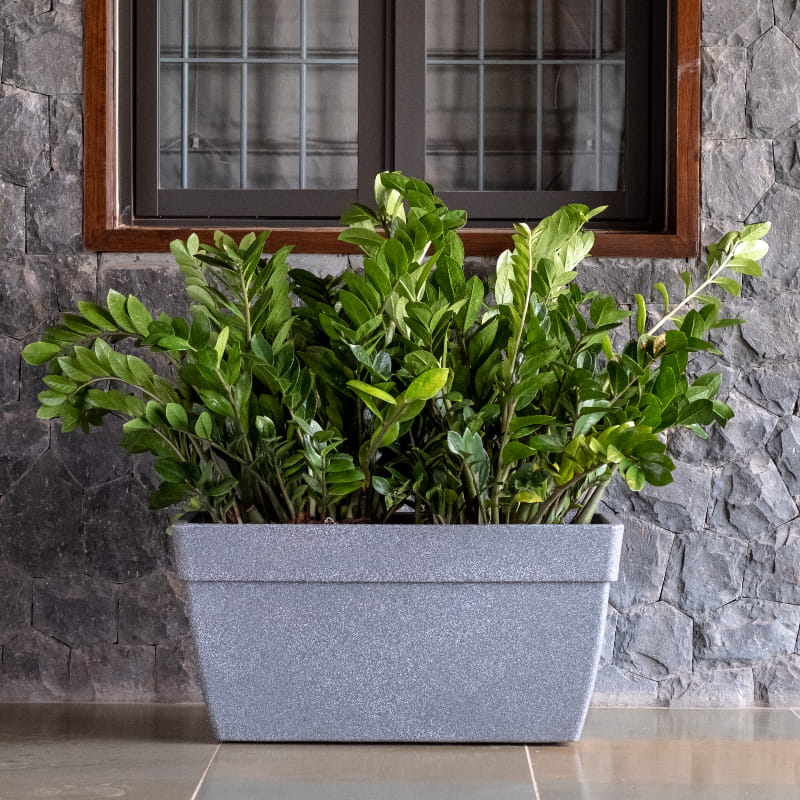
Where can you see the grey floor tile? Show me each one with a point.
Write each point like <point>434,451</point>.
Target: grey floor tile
<point>369,772</point>
<point>136,752</point>
<point>628,754</point>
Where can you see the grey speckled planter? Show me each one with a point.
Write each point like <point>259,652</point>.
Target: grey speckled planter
<point>397,632</point>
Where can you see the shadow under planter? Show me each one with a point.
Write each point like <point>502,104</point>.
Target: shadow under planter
<point>423,633</point>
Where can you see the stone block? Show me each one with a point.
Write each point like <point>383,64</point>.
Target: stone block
<point>15,10</point>
<point>784,448</point>
<point>44,54</point>
<point>609,635</point>
<point>24,136</point>
<point>645,552</point>
<point>74,277</point>
<point>66,132</point>
<point>778,682</point>
<point>735,22</point>
<point>110,672</point>
<point>35,668</point>
<point>12,216</point>
<point>15,601</point>
<point>654,641</point>
<point>772,572</point>
<point>774,386</point>
<point>736,175</point>
<point>78,610</point>
<point>54,214</point>
<point>773,104</point>
<point>95,459</point>
<point>750,498</point>
<point>177,673</point>
<point>709,688</point>
<point>9,371</point>
<point>704,572</point>
<point>27,297</point>
<point>624,277</point>
<point>787,18</point>
<point>679,507</point>
<point>23,441</point>
<point>40,522</point>
<point>124,539</point>
<point>158,285</point>
<point>786,148</point>
<point>748,631</point>
<point>724,79</point>
<point>153,610</point>
<point>749,430</point>
<point>616,687</point>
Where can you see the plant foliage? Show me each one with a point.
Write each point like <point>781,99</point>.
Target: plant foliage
<point>288,396</point>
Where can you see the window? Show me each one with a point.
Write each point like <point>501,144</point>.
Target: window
<point>278,113</point>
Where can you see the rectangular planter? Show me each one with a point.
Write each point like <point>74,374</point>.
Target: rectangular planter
<point>396,632</point>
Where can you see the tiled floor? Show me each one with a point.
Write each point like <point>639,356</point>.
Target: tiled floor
<point>168,753</point>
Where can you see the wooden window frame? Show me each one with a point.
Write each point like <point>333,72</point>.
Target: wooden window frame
<point>105,230</point>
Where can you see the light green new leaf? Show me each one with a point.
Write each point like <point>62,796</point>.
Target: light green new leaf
<point>427,385</point>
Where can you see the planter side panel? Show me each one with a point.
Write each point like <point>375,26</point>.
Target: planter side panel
<point>398,661</point>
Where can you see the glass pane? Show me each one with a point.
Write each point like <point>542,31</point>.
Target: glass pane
<point>214,140</point>
<point>569,28</point>
<point>613,126</point>
<point>274,29</point>
<point>554,122</point>
<point>614,28</point>
<point>171,22</point>
<point>273,130</point>
<point>510,29</point>
<point>332,27</point>
<point>510,128</point>
<point>170,126</point>
<point>452,127</point>
<point>216,28</point>
<point>568,129</point>
<point>451,28</point>
<point>331,127</point>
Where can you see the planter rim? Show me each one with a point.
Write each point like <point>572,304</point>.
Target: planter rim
<point>364,553</point>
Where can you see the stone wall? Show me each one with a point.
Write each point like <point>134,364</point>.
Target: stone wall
<point>707,608</point>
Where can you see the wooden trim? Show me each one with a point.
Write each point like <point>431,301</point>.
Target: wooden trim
<point>104,231</point>
<point>100,168</point>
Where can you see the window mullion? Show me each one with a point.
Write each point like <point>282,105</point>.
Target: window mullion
<point>409,87</point>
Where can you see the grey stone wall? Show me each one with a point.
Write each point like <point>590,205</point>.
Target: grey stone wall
<point>707,608</point>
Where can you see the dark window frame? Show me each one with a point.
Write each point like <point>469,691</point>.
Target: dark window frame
<point>108,225</point>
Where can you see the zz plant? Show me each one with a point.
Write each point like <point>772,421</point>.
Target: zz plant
<point>406,385</point>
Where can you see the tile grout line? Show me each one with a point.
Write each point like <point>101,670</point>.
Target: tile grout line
<point>205,772</point>
<point>530,769</point>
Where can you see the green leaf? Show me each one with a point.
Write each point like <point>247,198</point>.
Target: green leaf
<point>641,314</point>
<point>662,290</point>
<point>362,388</point>
<point>39,352</point>
<point>117,308</point>
<point>729,284</point>
<point>204,426</point>
<point>427,385</point>
<point>221,344</point>
<point>176,416</point>
<point>215,402</point>
<point>97,315</point>
<point>139,315</point>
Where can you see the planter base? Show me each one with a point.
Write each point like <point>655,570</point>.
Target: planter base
<point>349,658</point>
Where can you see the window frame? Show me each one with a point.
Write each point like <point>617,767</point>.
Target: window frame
<point>107,227</point>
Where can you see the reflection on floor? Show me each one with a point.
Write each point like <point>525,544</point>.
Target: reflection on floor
<point>168,753</point>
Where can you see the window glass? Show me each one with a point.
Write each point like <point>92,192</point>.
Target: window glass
<point>245,94</point>
<point>525,95</point>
